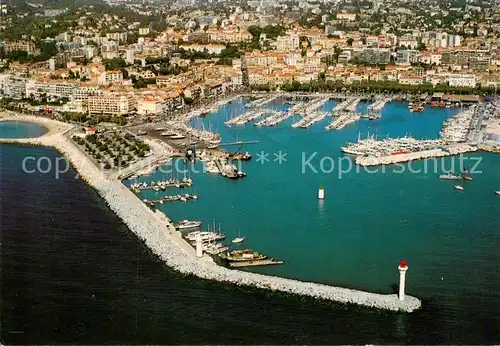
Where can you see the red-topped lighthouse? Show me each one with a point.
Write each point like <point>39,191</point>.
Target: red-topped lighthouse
<point>403,267</point>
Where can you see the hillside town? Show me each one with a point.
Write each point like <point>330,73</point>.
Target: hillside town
<point>123,58</point>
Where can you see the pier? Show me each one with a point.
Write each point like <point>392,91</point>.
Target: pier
<point>251,116</point>
<point>274,119</point>
<point>343,120</point>
<point>378,105</point>
<point>310,120</point>
<point>160,235</point>
<point>226,170</point>
<point>262,101</point>
<point>181,198</point>
<point>264,262</point>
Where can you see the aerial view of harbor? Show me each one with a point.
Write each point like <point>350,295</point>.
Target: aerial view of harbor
<point>256,173</point>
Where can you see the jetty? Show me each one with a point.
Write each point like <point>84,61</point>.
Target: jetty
<point>274,119</point>
<point>164,241</point>
<point>343,120</point>
<point>251,116</point>
<point>264,262</point>
<point>262,101</point>
<point>310,120</point>
<point>378,105</point>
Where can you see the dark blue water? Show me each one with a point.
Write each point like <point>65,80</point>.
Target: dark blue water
<point>17,129</point>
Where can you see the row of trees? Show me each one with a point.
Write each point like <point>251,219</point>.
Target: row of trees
<point>372,86</point>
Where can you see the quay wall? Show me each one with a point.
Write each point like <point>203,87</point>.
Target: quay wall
<point>418,155</point>
<point>160,236</point>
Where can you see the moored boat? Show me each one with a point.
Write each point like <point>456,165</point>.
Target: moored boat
<point>243,255</point>
<point>187,224</point>
<point>450,177</point>
<point>238,240</point>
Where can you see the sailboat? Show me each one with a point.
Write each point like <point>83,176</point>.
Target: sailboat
<point>238,239</point>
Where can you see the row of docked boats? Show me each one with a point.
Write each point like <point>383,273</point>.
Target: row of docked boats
<point>457,128</point>
<point>443,104</point>
<point>180,197</point>
<point>184,225</point>
<point>418,107</point>
<point>162,184</point>
<point>211,243</point>
<point>389,146</point>
<point>237,156</point>
<point>180,130</point>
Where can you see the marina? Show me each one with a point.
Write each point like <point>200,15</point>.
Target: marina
<point>459,135</point>
<point>178,254</point>
<point>258,238</point>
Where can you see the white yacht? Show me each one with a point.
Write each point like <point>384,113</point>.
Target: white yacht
<point>186,224</point>
<point>459,187</point>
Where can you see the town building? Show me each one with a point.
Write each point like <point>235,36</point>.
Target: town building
<point>111,103</point>
<point>20,45</point>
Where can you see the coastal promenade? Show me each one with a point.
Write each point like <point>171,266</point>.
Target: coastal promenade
<point>159,234</point>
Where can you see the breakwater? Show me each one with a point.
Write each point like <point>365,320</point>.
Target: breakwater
<point>160,236</point>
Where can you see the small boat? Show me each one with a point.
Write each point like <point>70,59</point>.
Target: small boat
<point>458,187</point>
<point>468,178</point>
<point>497,192</point>
<point>239,239</point>
<point>178,136</point>
<point>450,177</point>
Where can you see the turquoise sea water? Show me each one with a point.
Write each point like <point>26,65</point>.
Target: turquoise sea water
<point>369,221</point>
<point>17,129</point>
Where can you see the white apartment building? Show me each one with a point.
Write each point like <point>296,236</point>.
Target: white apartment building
<point>462,81</point>
<point>14,86</point>
<point>109,77</point>
<point>454,40</point>
<point>287,43</point>
<point>83,91</point>
<point>117,36</point>
<point>111,103</point>
<point>209,48</point>
<point>150,105</point>
<point>52,90</point>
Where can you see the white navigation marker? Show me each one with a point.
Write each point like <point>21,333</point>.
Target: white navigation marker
<point>321,193</point>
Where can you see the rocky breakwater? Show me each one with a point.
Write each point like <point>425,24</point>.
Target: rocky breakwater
<point>160,236</point>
